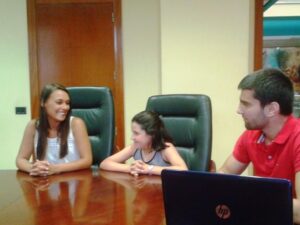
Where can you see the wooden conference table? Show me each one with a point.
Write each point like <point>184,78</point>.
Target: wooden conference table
<point>82,197</point>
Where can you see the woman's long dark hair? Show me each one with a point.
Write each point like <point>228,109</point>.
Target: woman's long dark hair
<point>152,124</point>
<point>42,124</point>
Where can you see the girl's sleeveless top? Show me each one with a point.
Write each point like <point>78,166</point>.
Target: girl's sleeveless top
<point>157,159</point>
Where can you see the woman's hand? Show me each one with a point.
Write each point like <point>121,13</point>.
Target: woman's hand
<point>40,168</point>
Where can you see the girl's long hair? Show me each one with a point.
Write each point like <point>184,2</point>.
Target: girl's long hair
<point>42,124</point>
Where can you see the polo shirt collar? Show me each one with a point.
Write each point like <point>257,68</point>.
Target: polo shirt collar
<point>286,130</point>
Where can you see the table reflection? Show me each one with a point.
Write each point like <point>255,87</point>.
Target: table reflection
<point>143,196</point>
<point>61,199</point>
<point>86,197</point>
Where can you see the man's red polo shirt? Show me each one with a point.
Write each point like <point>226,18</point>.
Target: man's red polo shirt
<point>280,159</point>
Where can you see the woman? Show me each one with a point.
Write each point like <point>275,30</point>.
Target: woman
<point>151,149</point>
<point>56,141</point>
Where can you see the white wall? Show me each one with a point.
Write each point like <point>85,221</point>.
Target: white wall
<point>205,49</point>
<point>141,56</point>
<point>283,10</point>
<point>14,78</point>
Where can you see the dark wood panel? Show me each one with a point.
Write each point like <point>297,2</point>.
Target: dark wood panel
<point>72,1</point>
<point>75,44</point>
<point>258,35</point>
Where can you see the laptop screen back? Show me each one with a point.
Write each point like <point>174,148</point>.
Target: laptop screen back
<point>210,199</point>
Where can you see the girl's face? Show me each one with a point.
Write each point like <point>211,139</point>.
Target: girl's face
<point>139,136</point>
<point>57,106</point>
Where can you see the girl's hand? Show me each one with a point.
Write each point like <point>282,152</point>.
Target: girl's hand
<point>138,167</point>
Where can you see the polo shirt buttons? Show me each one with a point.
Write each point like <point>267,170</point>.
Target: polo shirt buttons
<point>270,157</point>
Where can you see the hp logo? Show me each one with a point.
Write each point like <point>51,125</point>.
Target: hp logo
<point>223,211</point>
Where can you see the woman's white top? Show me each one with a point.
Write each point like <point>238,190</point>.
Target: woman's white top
<point>53,148</point>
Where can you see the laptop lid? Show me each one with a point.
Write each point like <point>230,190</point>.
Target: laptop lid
<point>203,198</point>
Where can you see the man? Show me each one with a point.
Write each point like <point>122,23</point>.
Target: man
<point>272,139</point>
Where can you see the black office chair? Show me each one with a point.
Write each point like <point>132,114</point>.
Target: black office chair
<point>96,107</point>
<point>188,119</point>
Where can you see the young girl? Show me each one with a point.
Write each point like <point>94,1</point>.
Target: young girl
<point>56,141</point>
<point>151,149</point>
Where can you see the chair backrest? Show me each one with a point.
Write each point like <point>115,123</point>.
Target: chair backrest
<point>96,107</point>
<point>188,120</point>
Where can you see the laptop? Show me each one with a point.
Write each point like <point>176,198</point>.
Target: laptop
<point>201,198</point>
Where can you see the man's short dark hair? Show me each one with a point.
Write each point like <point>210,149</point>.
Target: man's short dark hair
<point>270,85</point>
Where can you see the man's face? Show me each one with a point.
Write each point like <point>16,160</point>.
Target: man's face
<point>251,111</point>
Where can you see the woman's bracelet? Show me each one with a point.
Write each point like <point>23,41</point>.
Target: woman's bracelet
<point>150,169</point>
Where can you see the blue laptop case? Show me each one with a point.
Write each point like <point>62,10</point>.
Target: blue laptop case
<point>200,198</point>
